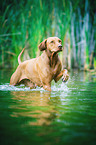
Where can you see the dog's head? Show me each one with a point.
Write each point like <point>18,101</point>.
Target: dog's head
<point>53,44</point>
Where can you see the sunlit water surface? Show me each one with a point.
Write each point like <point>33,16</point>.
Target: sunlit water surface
<point>65,116</point>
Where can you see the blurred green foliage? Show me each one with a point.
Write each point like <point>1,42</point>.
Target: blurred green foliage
<point>29,22</point>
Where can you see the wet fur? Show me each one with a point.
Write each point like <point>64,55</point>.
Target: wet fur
<point>42,70</point>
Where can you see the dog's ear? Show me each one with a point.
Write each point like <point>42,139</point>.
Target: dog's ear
<point>43,45</point>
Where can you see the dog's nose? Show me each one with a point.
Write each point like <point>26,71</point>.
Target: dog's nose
<point>60,47</point>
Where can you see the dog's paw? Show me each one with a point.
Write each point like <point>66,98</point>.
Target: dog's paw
<point>65,76</point>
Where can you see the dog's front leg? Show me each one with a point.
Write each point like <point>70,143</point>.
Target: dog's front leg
<point>63,74</point>
<point>47,87</point>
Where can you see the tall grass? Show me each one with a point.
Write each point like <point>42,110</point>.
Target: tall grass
<point>29,23</point>
<point>82,39</point>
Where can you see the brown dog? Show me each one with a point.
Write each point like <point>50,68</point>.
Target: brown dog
<point>42,70</point>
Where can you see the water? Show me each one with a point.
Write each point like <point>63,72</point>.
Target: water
<point>66,116</point>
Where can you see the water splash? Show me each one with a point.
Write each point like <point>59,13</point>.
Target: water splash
<point>60,88</point>
<point>55,88</point>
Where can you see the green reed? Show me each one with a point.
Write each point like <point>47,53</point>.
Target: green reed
<point>29,24</point>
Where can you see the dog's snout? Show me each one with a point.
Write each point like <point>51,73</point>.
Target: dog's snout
<point>60,46</point>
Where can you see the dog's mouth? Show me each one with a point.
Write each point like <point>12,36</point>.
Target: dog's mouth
<point>58,50</point>
<point>55,51</point>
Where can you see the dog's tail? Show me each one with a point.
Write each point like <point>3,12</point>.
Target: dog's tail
<point>19,57</point>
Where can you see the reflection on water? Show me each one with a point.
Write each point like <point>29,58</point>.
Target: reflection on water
<point>67,115</point>
<point>36,105</point>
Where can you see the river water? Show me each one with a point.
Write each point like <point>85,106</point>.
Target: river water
<point>65,116</point>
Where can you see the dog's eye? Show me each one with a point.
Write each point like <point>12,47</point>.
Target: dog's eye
<point>60,41</point>
<point>52,42</point>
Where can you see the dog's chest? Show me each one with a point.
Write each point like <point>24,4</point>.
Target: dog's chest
<point>50,67</point>
<point>50,72</point>
<point>55,69</point>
